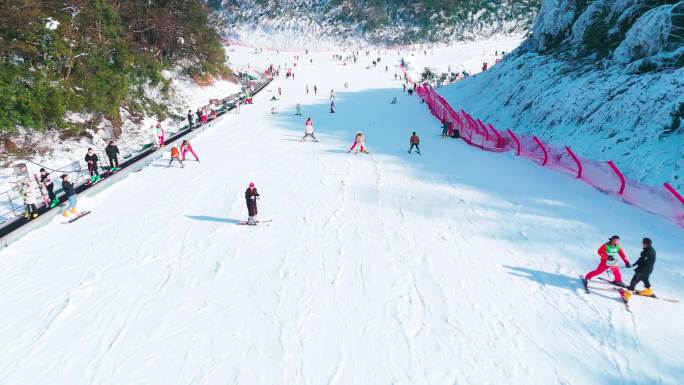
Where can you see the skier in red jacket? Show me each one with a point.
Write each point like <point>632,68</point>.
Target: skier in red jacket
<point>609,253</point>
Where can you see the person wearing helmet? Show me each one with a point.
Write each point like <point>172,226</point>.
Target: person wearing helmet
<point>609,253</point>
<point>251,196</point>
<point>358,140</point>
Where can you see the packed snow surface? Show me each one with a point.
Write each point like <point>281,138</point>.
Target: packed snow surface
<point>456,266</point>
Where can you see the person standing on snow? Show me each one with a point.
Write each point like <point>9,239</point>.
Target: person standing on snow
<point>160,134</point>
<point>198,113</point>
<point>315,90</point>
<point>609,253</point>
<point>26,191</point>
<point>415,141</point>
<point>92,159</point>
<point>299,110</point>
<point>307,89</point>
<point>644,268</point>
<point>70,194</point>
<point>175,155</point>
<point>332,106</point>
<point>185,148</point>
<point>309,130</point>
<point>359,140</point>
<point>190,126</point>
<point>46,181</point>
<point>332,94</point>
<point>251,196</point>
<point>280,91</point>
<point>112,151</point>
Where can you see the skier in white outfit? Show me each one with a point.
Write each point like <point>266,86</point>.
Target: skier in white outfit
<point>309,130</point>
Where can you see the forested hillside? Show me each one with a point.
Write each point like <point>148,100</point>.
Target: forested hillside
<point>378,21</point>
<point>96,56</point>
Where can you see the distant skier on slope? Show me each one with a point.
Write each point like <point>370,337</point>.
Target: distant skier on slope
<point>251,196</point>
<point>609,253</point>
<point>309,130</point>
<point>644,268</point>
<point>359,140</point>
<point>415,141</point>
<point>332,106</point>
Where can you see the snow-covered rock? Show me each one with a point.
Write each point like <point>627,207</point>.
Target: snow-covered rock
<point>604,77</point>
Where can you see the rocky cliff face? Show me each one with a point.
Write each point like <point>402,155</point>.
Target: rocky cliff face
<point>605,77</point>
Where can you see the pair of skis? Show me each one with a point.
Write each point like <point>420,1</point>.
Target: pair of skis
<point>266,222</point>
<point>625,293</point>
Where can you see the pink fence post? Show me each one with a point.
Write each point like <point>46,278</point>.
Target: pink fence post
<point>517,141</point>
<point>619,174</point>
<point>674,192</point>
<point>541,145</point>
<point>576,159</point>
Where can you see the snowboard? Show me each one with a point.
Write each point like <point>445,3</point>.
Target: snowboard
<point>618,288</point>
<point>78,216</point>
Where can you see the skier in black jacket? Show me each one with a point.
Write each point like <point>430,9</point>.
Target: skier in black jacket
<point>190,120</point>
<point>70,193</point>
<point>644,268</point>
<point>251,196</point>
<point>92,159</point>
<point>112,151</point>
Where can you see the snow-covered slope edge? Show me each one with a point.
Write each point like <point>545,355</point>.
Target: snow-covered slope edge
<point>619,98</point>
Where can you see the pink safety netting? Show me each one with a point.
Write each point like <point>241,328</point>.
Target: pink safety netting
<point>604,176</point>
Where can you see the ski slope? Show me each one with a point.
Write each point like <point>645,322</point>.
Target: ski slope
<point>456,266</point>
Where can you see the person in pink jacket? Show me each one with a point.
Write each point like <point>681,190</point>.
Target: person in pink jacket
<point>359,140</point>
<point>160,133</point>
<point>187,147</point>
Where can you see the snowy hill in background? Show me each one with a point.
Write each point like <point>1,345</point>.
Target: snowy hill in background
<point>295,22</point>
<point>604,77</point>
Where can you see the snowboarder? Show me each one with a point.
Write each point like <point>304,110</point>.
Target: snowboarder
<point>644,268</point>
<point>415,141</point>
<point>175,155</point>
<point>251,196</point>
<point>359,140</point>
<point>609,253</point>
<point>29,196</point>
<point>46,181</point>
<point>187,147</point>
<point>112,151</point>
<point>92,159</point>
<point>159,130</point>
<point>332,106</point>
<point>70,194</point>
<point>190,126</point>
<point>309,130</point>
